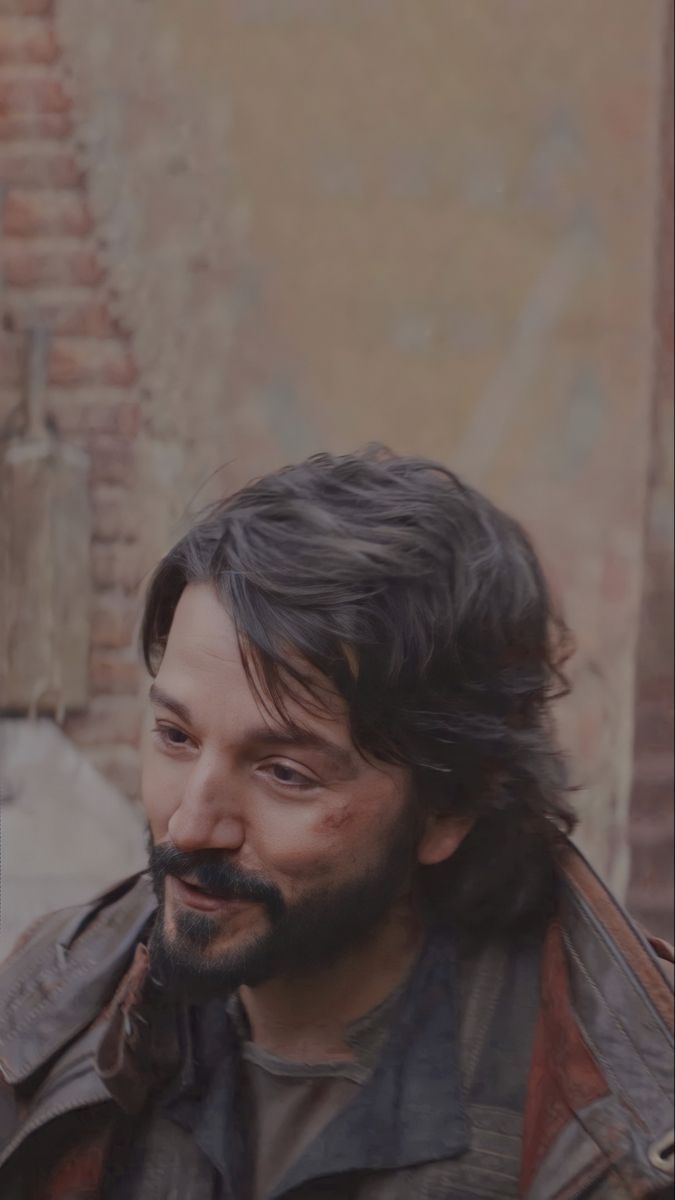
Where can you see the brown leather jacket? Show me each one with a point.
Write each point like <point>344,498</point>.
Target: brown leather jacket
<point>597,1119</point>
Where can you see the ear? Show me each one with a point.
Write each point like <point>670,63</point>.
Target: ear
<point>441,837</point>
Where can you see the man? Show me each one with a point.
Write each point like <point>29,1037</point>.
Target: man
<point>366,962</point>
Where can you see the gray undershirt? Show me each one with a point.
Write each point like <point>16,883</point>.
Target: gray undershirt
<point>292,1102</point>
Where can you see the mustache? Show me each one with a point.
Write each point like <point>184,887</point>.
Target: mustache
<point>209,870</point>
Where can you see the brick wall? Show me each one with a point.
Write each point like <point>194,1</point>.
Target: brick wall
<point>53,277</point>
<point>651,893</point>
<point>465,271</point>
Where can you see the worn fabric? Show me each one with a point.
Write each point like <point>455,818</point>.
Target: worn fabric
<point>291,1103</point>
<point>290,1107</point>
<point>542,1071</point>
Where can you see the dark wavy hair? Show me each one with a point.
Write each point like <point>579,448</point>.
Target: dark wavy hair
<point>426,608</point>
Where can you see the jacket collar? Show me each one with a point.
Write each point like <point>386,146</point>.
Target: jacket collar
<point>604,1001</point>
<point>58,982</point>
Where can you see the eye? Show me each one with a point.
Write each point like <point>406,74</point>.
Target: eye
<point>288,777</point>
<point>171,736</point>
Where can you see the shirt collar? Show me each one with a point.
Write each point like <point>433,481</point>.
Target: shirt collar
<point>365,1036</point>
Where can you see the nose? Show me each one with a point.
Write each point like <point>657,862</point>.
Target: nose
<point>209,815</point>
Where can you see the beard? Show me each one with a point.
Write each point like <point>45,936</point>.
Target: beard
<point>301,937</point>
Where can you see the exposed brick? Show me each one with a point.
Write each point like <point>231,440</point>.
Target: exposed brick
<point>654,909</point>
<point>83,361</point>
<point>115,514</point>
<point>77,312</point>
<point>51,276</point>
<point>119,764</point>
<point>42,164</point>
<point>111,458</point>
<point>653,834</point>
<point>114,619</point>
<point>115,565</point>
<point>113,671</point>
<point>654,724</point>
<point>12,359</point>
<point>86,319</point>
<point>108,719</point>
<point>652,859</point>
<point>27,8</point>
<point>71,414</point>
<point>26,40</point>
<point>656,797</point>
<point>654,766</point>
<point>17,127</point>
<point>36,91</point>
<point>28,265</point>
<point>651,829</point>
<point>45,212</point>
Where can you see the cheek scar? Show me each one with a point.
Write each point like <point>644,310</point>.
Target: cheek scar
<point>338,817</point>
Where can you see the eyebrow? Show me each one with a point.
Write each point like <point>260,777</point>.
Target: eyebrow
<point>157,695</point>
<point>294,737</point>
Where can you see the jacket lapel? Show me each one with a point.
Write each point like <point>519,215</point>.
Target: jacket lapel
<point>603,1000</point>
<point>61,979</point>
<point>54,987</point>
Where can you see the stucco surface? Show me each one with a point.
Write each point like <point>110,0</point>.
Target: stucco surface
<point>342,220</point>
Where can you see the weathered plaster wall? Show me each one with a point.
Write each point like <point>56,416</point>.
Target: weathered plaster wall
<point>651,892</point>
<point>326,221</point>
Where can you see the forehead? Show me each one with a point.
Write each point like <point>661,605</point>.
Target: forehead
<point>202,664</point>
<point>202,631</point>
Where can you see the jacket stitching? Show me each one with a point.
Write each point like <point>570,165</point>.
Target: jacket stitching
<point>47,980</point>
<point>619,960</point>
<point>621,1030</point>
<point>51,977</point>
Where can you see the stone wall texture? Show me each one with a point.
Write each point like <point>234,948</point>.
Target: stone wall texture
<point>258,228</point>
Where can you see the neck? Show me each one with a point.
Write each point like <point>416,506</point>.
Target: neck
<point>306,1018</point>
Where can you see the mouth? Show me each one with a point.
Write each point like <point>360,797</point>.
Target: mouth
<point>200,898</point>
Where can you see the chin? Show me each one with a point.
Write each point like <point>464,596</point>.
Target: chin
<point>209,936</point>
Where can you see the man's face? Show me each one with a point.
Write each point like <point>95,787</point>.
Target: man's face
<point>301,847</point>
